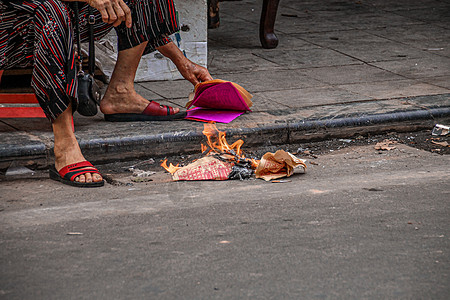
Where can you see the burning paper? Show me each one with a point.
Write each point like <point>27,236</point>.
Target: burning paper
<point>280,164</point>
<point>224,161</point>
<point>206,168</point>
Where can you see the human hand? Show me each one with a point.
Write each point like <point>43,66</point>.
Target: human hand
<point>193,72</point>
<point>189,70</point>
<point>112,11</point>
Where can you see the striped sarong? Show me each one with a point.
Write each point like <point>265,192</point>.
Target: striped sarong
<point>39,34</point>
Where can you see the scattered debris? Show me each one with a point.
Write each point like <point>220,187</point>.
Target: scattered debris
<point>345,140</point>
<point>386,145</point>
<point>142,173</point>
<point>110,178</point>
<point>443,144</point>
<point>224,242</point>
<point>74,233</point>
<point>18,170</point>
<point>306,152</point>
<point>141,179</point>
<point>440,130</point>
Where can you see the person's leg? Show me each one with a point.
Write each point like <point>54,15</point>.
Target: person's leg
<point>149,34</point>
<point>120,96</point>
<point>54,77</point>
<point>152,23</point>
<point>67,151</point>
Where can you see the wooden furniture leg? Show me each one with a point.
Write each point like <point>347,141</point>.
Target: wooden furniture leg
<point>266,26</point>
<point>213,14</point>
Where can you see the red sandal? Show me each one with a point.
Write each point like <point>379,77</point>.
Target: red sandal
<point>68,174</point>
<point>153,112</point>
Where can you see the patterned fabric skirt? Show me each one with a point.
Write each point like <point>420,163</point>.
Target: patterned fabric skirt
<point>40,34</point>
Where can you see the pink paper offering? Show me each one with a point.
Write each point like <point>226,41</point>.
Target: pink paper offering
<point>219,101</point>
<point>208,114</point>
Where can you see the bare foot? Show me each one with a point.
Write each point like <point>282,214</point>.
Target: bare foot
<point>123,99</point>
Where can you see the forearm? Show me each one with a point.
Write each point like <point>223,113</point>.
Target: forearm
<point>172,52</point>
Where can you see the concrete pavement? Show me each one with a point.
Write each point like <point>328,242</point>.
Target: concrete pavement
<point>365,65</point>
<point>361,223</point>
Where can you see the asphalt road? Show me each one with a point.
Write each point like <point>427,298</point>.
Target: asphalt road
<point>360,223</point>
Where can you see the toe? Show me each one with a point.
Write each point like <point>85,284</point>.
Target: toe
<point>96,177</point>
<point>82,178</point>
<point>88,177</point>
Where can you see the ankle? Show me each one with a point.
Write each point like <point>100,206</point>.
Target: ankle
<point>66,150</point>
<point>120,89</point>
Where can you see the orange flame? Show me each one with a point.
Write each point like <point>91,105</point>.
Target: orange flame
<point>255,163</point>
<point>217,142</point>
<point>171,168</point>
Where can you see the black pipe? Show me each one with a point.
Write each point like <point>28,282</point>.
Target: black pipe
<point>366,120</point>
